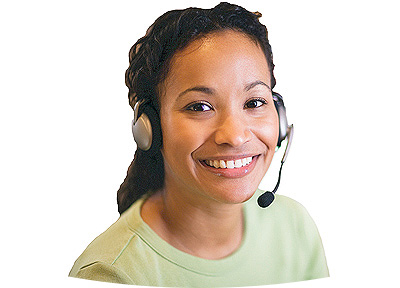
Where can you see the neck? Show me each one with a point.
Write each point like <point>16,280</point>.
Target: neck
<point>209,230</point>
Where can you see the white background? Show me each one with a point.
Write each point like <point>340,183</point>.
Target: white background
<point>66,141</point>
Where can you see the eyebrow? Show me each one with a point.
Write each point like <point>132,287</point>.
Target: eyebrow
<point>255,83</point>
<point>203,89</point>
<point>210,91</point>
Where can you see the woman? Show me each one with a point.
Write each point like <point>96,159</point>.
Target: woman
<point>206,127</point>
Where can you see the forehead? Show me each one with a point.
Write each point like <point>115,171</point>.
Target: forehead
<point>226,56</point>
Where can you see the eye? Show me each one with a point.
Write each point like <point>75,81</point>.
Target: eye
<point>255,103</point>
<point>198,107</point>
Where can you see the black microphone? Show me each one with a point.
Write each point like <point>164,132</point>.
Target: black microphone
<point>266,199</point>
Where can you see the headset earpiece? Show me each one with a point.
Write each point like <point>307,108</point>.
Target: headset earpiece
<point>146,128</point>
<point>283,123</point>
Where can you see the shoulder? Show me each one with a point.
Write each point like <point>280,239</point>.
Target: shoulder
<point>285,221</point>
<point>290,207</point>
<point>288,228</point>
<point>294,214</point>
<point>98,259</point>
<point>283,209</point>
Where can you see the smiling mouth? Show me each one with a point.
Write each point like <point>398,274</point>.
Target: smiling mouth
<point>229,164</point>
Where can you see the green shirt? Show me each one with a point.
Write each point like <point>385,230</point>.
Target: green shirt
<point>281,244</point>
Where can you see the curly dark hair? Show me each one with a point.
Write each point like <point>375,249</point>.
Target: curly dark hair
<point>149,60</point>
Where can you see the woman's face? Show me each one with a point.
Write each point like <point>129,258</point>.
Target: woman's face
<point>218,119</point>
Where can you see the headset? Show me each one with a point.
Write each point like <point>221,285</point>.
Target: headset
<point>146,131</point>
<point>146,128</point>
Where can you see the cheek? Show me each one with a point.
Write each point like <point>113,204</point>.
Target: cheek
<point>272,135</point>
<point>268,136</point>
<point>268,132</point>
<point>180,138</point>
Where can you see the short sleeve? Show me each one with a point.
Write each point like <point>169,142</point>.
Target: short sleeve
<point>104,272</point>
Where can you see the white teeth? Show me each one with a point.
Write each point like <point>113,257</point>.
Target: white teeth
<point>238,163</point>
<point>222,164</point>
<point>229,164</point>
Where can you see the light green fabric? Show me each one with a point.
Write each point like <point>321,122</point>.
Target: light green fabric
<point>281,244</point>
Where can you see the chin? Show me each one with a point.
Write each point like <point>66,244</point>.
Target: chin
<point>233,195</point>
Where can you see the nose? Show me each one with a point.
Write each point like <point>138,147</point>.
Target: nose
<point>232,130</point>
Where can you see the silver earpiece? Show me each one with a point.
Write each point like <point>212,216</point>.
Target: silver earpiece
<point>141,128</point>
